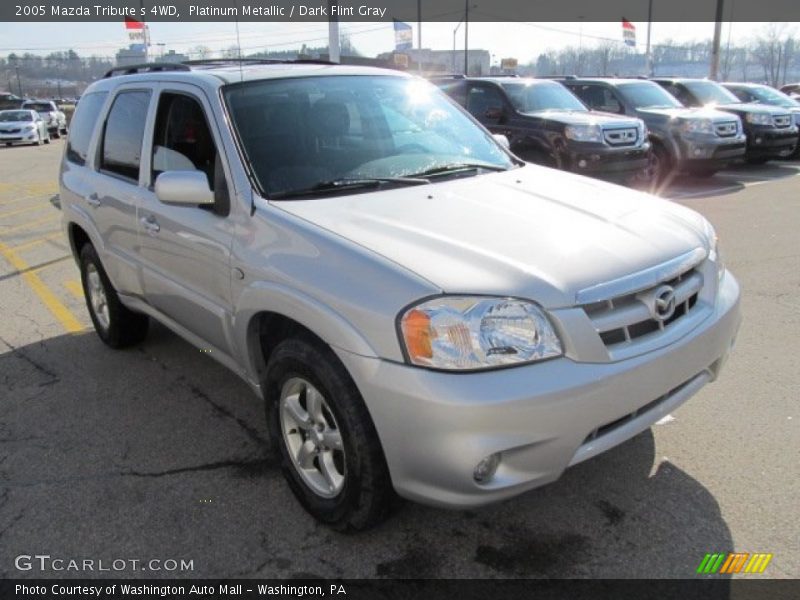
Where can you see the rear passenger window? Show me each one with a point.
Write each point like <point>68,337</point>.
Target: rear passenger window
<point>82,127</point>
<point>122,139</point>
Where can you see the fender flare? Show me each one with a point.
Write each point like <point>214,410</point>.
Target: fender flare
<point>323,321</point>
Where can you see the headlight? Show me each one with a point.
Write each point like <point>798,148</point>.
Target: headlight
<point>584,133</point>
<point>644,133</point>
<point>759,118</point>
<point>698,126</point>
<point>476,332</point>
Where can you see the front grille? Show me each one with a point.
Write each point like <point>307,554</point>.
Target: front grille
<point>10,130</point>
<point>621,137</point>
<point>782,121</point>
<point>626,318</point>
<point>726,129</point>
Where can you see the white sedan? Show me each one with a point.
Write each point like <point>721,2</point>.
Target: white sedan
<point>23,127</point>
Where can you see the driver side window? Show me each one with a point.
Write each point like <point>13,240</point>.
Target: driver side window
<point>183,142</point>
<point>483,102</point>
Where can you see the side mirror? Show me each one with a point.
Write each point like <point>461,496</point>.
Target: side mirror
<point>494,112</point>
<point>502,140</point>
<point>184,187</point>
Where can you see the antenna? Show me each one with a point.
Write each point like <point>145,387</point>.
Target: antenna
<point>239,43</point>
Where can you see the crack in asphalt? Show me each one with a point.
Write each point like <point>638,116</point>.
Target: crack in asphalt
<point>251,431</point>
<point>54,378</point>
<point>246,465</point>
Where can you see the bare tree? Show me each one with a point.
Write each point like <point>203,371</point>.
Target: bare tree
<point>772,50</point>
<point>201,52</point>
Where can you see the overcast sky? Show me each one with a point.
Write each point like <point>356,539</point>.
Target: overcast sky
<point>523,41</point>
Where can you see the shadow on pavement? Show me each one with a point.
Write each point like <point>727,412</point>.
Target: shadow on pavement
<point>158,452</point>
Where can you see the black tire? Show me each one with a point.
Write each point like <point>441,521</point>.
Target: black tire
<point>367,496</point>
<point>125,327</point>
<point>660,166</point>
<point>539,157</point>
<point>47,139</point>
<point>8,144</point>
<point>756,160</point>
<point>56,134</point>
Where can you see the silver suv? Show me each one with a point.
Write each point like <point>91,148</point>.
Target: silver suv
<point>422,313</point>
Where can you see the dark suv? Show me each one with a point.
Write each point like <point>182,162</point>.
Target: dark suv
<point>9,101</point>
<point>770,130</point>
<point>696,141</point>
<point>548,125</point>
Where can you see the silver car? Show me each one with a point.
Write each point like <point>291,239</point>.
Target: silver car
<point>22,127</point>
<point>422,313</point>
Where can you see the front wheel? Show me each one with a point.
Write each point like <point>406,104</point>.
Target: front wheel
<point>319,427</point>
<point>115,324</point>
<point>756,160</point>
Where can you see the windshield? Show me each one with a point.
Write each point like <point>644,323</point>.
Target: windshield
<point>532,97</point>
<point>769,96</point>
<point>15,115</point>
<point>708,92</point>
<point>648,95</point>
<point>302,132</point>
<point>39,106</point>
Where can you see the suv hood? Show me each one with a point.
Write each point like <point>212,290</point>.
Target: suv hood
<point>702,112</point>
<point>753,108</point>
<point>531,232</point>
<point>578,117</point>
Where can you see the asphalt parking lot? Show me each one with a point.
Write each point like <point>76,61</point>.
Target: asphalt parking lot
<point>158,452</point>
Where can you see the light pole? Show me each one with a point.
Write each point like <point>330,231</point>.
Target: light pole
<point>715,47</point>
<point>466,37</point>
<point>455,31</point>
<point>19,82</point>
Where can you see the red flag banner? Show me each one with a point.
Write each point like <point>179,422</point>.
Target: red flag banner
<point>131,23</point>
<point>628,32</point>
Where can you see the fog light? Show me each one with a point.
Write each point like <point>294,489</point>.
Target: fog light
<point>582,163</point>
<point>486,468</point>
<point>698,151</point>
<point>759,140</point>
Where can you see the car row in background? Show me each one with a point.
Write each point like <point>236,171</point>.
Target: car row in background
<point>630,129</point>
<point>23,126</point>
<point>53,116</point>
<point>546,124</point>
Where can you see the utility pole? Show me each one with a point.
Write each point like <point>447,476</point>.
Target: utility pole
<point>333,33</point>
<point>419,35</point>
<point>19,82</point>
<point>466,37</point>
<point>648,54</point>
<point>715,47</point>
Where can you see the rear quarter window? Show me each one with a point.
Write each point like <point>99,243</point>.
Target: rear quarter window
<point>82,127</point>
<point>124,132</point>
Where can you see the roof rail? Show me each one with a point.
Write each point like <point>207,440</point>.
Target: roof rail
<point>145,68</point>
<point>216,62</point>
<point>556,77</point>
<point>447,76</point>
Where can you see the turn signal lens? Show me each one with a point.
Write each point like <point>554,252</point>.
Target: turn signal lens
<point>417,333</point>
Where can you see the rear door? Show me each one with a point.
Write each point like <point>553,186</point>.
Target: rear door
<point>117,185</point>
<point>185,251</point>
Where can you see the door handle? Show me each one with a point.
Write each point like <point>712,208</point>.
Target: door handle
<point>93,200</point>
<point>150,224</point>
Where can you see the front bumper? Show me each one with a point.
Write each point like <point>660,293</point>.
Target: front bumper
<point>435,427</point>
<point>770,142</point>
<point>605,161</point>
<point>24,137</point>
<point>710,150</point>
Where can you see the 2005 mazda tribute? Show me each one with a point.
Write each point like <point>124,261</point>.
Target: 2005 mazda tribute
<point>422,313</point>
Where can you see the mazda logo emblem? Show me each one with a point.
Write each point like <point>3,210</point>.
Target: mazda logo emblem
<point>664,303</point>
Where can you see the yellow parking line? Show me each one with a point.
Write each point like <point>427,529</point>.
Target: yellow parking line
<point>37,241</point>
<point>75,288</point>
<point>30,224</point>
<point>68,320</point>
<point>21,210</point>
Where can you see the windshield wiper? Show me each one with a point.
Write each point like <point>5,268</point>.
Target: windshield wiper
<point>344,184</point>
<point>457,168</point>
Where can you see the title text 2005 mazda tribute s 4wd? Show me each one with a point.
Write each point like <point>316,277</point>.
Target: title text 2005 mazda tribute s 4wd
<point>423,313</point>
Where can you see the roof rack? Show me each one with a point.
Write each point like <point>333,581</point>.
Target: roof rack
<point>145,68</point>
<point>214,62</point>
<point>556,77</point>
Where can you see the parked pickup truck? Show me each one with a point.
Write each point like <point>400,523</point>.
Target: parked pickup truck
<point>546,124</point>
<point>421,313</point>
<point>54,117</point>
